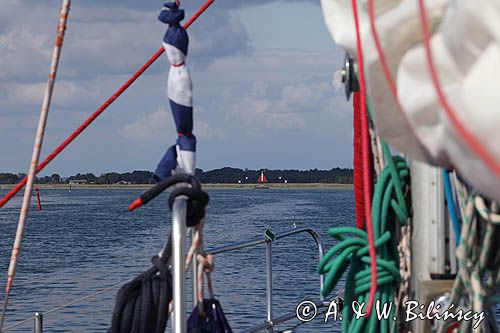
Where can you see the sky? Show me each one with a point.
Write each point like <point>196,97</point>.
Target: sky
<point>262,74</point>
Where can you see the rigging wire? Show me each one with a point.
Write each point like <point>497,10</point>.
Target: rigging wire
<point>66,305</point>
<point>366,164</point>
<point>101,109</point>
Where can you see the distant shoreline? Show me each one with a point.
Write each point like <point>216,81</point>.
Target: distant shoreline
<point>207,186</point>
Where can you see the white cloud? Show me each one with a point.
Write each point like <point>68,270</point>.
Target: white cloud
<point>252,116</point>
<point>66,94</point>
<point>304,97</point>
<point>109,39</point>
<point>159,126</point>
<point>190,6</point>
<point>243,98</point>
<point>221,34</point>
<point>271,92</point>
<point>23,54</point>
<point>204,131</point>
<point>151,127</point>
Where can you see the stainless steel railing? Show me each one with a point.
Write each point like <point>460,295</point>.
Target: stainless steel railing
<point>179,211</point>
<point>268,239</point>
<point>38,322</point>
<point>179,277</point>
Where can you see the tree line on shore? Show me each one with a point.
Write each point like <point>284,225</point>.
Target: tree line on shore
<point>224,175</point>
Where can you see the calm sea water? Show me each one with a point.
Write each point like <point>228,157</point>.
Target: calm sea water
<point>86,240</point>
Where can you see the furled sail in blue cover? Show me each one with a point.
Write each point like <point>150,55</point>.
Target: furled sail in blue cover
<point>179,158</point>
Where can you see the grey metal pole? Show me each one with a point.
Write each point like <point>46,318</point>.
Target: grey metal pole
<point>269,284</point>
<point>178,257</point>
<point>38,322</point>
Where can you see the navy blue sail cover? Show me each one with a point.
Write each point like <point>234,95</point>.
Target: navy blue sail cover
<point>179,158</point>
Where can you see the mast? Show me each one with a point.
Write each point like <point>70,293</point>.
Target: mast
<point>37,147</point>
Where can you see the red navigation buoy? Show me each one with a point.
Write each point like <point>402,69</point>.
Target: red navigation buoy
<point>38,201</point>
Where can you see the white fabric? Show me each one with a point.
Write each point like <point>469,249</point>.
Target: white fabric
<point>398,30</point>
<point>466,50</point>
<point>175,56</point>
<point>186,161</point>
<point>180,87</point>
<point>467,55</point>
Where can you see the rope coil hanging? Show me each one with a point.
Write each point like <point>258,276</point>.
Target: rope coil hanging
<point>389,204</point>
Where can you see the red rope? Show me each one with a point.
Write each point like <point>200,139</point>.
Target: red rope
<point>365,137</point>
<point>467,136</point>
<point>100,110</point>
<point>358,163</point>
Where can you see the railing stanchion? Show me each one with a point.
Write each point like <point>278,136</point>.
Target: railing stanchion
<point>38,322</point>
<point>269,284</point>
<point>178,257</point>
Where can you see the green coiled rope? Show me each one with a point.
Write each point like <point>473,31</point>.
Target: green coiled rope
<point>388,204</point>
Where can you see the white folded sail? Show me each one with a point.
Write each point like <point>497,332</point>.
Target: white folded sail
<point>466,50</point>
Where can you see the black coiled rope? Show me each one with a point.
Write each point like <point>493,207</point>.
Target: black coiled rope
<point>142,304</point>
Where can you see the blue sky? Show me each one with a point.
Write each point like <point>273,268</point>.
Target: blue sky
<point>262,73</point>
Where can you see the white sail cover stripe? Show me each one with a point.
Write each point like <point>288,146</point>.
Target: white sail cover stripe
<point>186,161</point>
<point>180,88</point>
<point>175,56</point>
